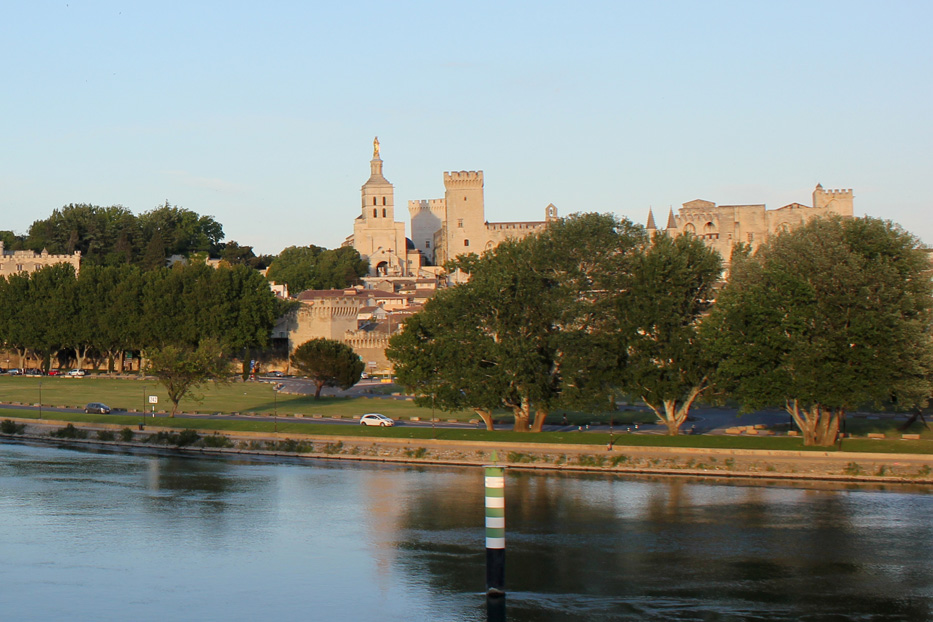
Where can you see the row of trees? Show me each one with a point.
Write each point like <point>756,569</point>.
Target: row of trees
<point>110,310</point>
<point>814,321</point>
<point>114,236</point>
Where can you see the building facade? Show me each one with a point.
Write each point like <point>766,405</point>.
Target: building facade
<point>721,227</point>
<point>441,229</point>
<point>13,262</point>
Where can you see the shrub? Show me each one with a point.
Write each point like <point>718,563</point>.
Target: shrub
<point>126,435</point>
<point>8,426</point>
<point>416,453</point>
<point>187,437</point>
<point>333,448</point>
<point>594,461</point>
<point>69,431</point>
<point>296,447</point>
<point>216,440</point>
<point>106,435</point>
<point>852,468</point>
<point>518,457</point>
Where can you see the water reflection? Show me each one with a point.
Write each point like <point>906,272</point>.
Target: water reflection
<point>142,537</point>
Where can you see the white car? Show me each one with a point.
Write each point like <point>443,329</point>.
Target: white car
<point>76,373</point>
<point>376,419</point>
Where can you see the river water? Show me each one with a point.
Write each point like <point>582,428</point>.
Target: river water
<point>112,536</point>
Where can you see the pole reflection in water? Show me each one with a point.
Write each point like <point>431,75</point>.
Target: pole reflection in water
<point>143,537</point>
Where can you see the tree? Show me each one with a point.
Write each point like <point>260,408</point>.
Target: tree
<point>182,370</point>
<point>521,332</point>
<point>314,267</point>
<point>660,302</point>
<point>328,363</point>
<point>827,317</point>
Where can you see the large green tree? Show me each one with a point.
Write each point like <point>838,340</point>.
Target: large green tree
<point>659,302</point>
<point>522,332</point>
<point>825,318</point>
<point>328,363</point>
<point>314,267</point>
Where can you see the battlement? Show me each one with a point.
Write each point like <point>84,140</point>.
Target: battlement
<point>433,205</point>
<point>840,199</point>
<point>463,179</point>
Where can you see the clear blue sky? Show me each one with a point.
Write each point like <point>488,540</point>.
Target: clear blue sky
<point>263,114</point>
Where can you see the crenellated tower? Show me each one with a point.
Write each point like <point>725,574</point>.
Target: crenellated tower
<point>836,201</point>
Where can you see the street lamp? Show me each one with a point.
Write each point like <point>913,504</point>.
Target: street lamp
<point>40,399</point>
<point>275,408</point>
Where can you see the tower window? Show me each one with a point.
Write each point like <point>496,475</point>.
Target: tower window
<point>427,244</point>
<point>374,212</point>
<point>374,200</point>
<point>383,200</point>
<point>383,212</point>
<point>466,242</point>
<point>459,223</point>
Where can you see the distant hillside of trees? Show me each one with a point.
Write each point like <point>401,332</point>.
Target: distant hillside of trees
<point>114,236</point>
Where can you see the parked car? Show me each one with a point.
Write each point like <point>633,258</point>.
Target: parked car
<point>33,371</point>
<point>15,372</point>
<point>376,419</point>
<point>55,372</point>
<point>97,407</point>
<point>275,374</point>
<point>77,373</point>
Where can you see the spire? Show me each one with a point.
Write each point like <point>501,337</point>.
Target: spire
<point>671,223</point>
<point>651,226</point>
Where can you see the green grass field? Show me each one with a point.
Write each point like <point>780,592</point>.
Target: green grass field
<point>258,398</point>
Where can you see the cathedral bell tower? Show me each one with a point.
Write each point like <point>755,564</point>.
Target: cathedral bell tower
<point>378,194</point>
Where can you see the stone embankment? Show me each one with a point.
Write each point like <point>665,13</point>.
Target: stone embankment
<point>696,462</point>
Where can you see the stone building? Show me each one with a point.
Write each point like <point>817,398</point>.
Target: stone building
<point>441,229</point>
<point>12,262</point>
<point>721,227</point>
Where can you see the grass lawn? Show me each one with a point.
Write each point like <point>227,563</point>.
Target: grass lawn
<point>257,397</point>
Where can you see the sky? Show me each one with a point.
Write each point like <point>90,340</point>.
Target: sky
<point>262,115</point>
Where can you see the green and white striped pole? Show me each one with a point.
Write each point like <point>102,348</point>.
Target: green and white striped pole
<point>495,529</point>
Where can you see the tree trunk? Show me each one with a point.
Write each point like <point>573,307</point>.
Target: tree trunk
<point>819,426</point>
<point>486,416</point>
<point>317,390</point>
<point>673,413</point>
<point>918,414</point>
<point>540,416</point>
<point>522,416</point>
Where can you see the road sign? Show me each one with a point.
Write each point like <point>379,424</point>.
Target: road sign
<point>153,399</point>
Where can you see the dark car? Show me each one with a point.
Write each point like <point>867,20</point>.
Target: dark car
<point>33,371</point>
<point>97,407</point>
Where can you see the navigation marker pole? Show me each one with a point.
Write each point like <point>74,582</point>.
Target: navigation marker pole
<point>495,529</point>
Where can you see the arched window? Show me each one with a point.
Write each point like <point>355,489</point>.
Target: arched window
<point>689,228</point>
<point>374,200</point>
<point>383,200</point>
<point>374,212</point>
<point>383,212</point>
<point>466,242</point>
<point>709,227</point>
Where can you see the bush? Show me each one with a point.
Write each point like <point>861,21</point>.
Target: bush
<point>69,431</point>
<point>8,426</point>
<point>187,437</point>
<point>126,435</point>
<point>419,453</point>
<point>294,447</point>
<point>216,440</point>
<point>106,435</point>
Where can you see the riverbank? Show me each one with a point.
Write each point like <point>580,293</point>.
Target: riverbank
<point>834,466</point>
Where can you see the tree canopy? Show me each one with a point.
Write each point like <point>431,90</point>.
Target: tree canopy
<point>658,305</point>
<point>181,370</point>
<point>315,267</point>
<point>824,318</point>
<point>328,363</point>
<point>520,333</point>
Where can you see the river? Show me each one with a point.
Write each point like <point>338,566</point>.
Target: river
<point>118,536</point>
